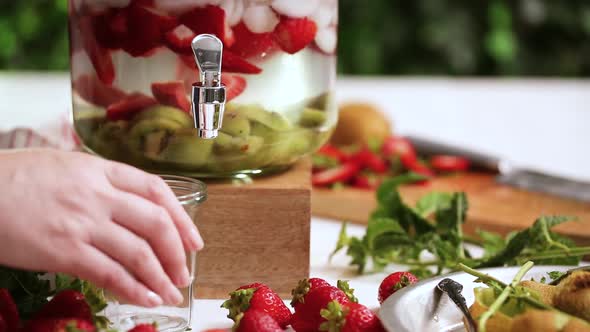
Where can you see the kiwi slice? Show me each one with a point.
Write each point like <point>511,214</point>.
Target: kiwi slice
<point>226,144</point>
<point>153,143</point>
<point>165,112</point>
<point>235,124</point>
<point>311,117</point>
<point>273,120</point>
<point>187,150</point>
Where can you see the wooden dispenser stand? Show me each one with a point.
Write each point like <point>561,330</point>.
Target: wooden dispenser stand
<point>256,232</point>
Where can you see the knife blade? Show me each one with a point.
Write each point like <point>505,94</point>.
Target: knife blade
<point>509,173</point>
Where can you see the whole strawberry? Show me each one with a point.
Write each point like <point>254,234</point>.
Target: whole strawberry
<point>351,317</point>
<point>308,317</point>
<point>394,282</point>
<point>66,304</point>
<point>3,327</point>
<point>144,328</point>
<point>8,311</point>
<point>257,297</point>
<point>256,321</point>
<point>60,325</point>
<point>303,288</point>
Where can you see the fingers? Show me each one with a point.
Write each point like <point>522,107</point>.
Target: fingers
<point>153,223</point>
<point>153,188</point>
<point>136,256</point>
<point>98,268</point>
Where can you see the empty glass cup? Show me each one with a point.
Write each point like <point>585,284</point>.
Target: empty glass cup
<point>190,193</point>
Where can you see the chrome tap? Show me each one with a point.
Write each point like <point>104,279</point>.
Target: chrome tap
<point>208,95</point>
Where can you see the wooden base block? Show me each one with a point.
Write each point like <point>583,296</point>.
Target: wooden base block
<point>255,232</point>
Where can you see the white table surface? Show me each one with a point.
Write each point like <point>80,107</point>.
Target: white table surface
<point>538,123</point>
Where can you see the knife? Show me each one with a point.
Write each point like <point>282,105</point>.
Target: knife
<point>508,173</point>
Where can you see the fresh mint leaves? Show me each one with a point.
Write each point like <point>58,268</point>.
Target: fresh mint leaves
<point>400,233</point>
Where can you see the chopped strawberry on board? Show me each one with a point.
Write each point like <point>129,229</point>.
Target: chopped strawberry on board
<point>330,176</point>
<point>330,150</point>
<point>420,168</point>
<point>394,282</point>
<point>362,181</point>
<point>256,321</point>
<point>233,63</point>
<point>60,325</point>
<point>399,147</point>
<point>100,57</point>
<point>448,163</point>
<point>144,328</point>
<point>91,89</point>
<point>366,158</point>
<point>171,94</point>
<point>294,34</point>
<point>126,108</point>
<point>249,44</point>
<point>209,19</point>
<point>9,311</point>
<point>234,85</point>
<point>179,40</point>
<point>257,297</point>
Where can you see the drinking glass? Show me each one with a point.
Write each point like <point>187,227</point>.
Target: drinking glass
<point>191,194</point>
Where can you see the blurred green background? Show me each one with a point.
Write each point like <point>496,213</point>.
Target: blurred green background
<point>379,37</point>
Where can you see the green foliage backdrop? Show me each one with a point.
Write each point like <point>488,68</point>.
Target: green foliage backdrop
<point>389,37</point>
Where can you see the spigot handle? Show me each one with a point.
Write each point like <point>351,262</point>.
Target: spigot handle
<point>208,51</point>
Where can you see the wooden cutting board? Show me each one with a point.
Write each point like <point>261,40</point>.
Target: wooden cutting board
<point>492,207</point>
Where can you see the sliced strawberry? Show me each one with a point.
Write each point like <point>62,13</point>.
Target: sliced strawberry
<point>100,57</point>
<point>448,163</point>
<point>111,28</point>
<point>234,85</point>
<point>9,311</point>
<point>187,72</point>
<point>294,34</point>
<point>362,181</point>
<point>331,151</point>
<point>233,63</point>
<point>179,40</point>
<point>91,89</point>
<point>126,108</point>
<point>401,148</point>
<point>144,328</point>
<point>249,44</point>
<point>420,168</point>
<point>341,173</point>
<point>370,160</point>
<point>171,94</point>
<point>146,28</point>
<point>209,19</point>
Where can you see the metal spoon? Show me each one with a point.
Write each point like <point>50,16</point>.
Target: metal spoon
<point>453,290</point>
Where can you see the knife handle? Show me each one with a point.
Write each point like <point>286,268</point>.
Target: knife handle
<point>478,160</point>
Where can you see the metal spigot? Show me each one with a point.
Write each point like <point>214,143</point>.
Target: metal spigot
<point>208,95</point>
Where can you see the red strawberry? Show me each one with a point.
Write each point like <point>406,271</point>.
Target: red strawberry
<point>249,44</point>
<point>256,321</point>
<point>179,40</point>
<point>110,28</point>
<point>362,181</point>
<point>394,282</point>
<point>399,147</point>
<point>333,152</point>
<point>209,19</point>
<point>126,108</point>
<point>294,34</point>
<point>351,317</point>
<point>217,330</point>
<point>233,63</point>
<point>66,304</point>
<point>100,57</point>
<point>341,173</point>
<point>316,300</point>
<point>3,327</point>
<point>303,288</point>
<point>447,163</point>
<point>8,311</point>
<point>421,168</point>
<point>257,297</point>
<point>146,29</point>
<point>300,323</point>
<point>234,85</point>
<point>366,158</point>
<point>144,328</point>
<point>171,94</point>
<point>60,325</point>
<point>91,89</point>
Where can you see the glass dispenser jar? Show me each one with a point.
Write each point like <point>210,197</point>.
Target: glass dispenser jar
<point>134,72</point>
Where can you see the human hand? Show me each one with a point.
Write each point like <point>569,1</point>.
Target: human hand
<point>105,222</point>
